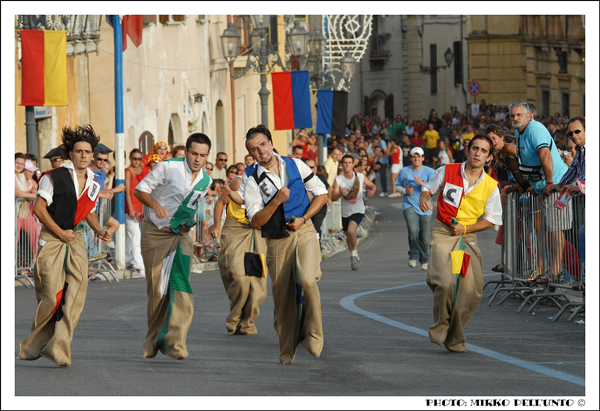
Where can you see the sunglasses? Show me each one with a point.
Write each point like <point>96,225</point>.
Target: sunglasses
<point>161,148</point>
<point>136,158</point>
<point>209,169</point>
<point>233,172</point>
<point>222,159</point>
<point>101,159</point>
<point>570,133</point>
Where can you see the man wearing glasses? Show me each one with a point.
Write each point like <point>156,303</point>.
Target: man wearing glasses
<point>98,167</point>
<point>220,170</point>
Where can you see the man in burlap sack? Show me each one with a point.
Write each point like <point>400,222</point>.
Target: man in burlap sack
<point>241,245</point>
<point>66,199</point>
<point>455,272</point>
<point>172,191</point>
<point>277,202</point>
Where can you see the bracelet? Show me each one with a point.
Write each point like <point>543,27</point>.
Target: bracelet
<point>304,219</point>
<point>548,183</point>
<point>465,230</point>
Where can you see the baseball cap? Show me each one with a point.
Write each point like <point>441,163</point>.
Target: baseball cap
<point>417,150</point>
<point>30,167</point>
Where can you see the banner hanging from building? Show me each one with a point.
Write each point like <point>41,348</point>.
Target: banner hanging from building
<point>332,108</point>
<point>291,100</point>
<point>44,68</point>
<point>132,25</point>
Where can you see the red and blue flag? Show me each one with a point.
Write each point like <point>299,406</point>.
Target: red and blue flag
<point>291,100</point>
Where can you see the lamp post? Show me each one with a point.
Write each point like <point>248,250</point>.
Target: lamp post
<point>265,58</point>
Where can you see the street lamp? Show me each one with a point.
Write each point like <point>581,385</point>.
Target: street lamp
<point>448,56</point>
<point>316,43</point>
<point>263,59</point>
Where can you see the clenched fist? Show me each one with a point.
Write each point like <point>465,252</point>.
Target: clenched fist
<point>282,195</point>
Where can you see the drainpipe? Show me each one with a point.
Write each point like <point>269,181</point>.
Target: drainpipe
<point>232,84</point>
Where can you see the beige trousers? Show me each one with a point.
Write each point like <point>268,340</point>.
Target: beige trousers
<point>60,277</point>
<point>292,260</point>
<point>246,293</point>
<point>448,320</point>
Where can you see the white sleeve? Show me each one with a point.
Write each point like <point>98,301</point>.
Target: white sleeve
<point>493,208</point>
<point>157,176</point>
<point>252,198</point>
<point>314,185</point>
<point>436,181</point>
<point>242,186</point>
<point>46,188</point>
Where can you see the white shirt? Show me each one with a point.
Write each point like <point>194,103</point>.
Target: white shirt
<point>46,186</point>
<point>169,183</point>
<point>216,173</point>
<point>253,198</point>
<point>493,206</point>
<point>357,204</point>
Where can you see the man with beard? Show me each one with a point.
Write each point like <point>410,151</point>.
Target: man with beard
<point>277,202</point>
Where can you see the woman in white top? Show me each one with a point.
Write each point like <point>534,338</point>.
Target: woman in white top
<point>443,157</point>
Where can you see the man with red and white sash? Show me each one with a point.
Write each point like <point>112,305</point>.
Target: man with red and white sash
<point>455,272</point>
<point>66,199</point>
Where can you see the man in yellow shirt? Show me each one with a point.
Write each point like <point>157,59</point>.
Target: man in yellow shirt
<point>431,137</point>
<point>468,135</point>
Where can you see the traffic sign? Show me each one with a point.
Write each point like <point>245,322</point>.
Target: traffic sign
<point>474,88</point>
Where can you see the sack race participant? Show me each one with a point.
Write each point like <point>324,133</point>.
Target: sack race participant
<point>455,272</point>
<point>242,264</point>
<point>172,191</point>
<point>66,198</point>
<point>277,202</point>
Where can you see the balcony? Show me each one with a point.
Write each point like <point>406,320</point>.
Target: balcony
<point>378,54</point>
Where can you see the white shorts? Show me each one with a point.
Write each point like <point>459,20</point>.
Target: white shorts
<point>396,168</point>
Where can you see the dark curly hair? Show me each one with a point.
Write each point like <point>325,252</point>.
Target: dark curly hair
<point>260,129</point>
<point>72,136</point>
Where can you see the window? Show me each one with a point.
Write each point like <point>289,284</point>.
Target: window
<point>545,109</point>
<point>433,65</point>
<point>170,19</point>
<point>458,63</point>
<point>147,19</point>
<point>564,103</point>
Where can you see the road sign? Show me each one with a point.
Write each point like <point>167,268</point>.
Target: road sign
<point>474,88</point>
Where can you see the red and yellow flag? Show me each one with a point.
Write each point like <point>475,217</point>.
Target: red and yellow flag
<point>44,68</point>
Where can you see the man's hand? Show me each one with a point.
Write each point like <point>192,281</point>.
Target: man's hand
<point>161,212</point>
<point>67,235</point>
<point>298,222</point>
<point>131,214</point>
<point>549,189</point>
<point>105,235</point>
<point>419,181</point>
<point>282,195</point>
<point>425,205</point>
<point>532,191</point>
<point>370,193</point>
<point>225,189</point>
<point>572,190</point>
<point>209,200</point>
<point>345,190</point>
<point>214,231</point>
<point>457,229</point>
<point>184,229</point>
<point>410,189</point>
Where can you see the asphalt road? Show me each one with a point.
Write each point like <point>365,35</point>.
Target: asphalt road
<point>375,322</point>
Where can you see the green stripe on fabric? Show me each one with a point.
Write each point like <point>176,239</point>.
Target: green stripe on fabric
<point>160,338</point>
<point>180,272</point>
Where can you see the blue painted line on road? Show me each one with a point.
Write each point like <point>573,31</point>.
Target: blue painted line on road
<point>528,332</point>
<point>348,304</point>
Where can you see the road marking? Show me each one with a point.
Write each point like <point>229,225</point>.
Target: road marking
<point>348,304</point>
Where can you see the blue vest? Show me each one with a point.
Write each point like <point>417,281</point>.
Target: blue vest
<point>296,205</point>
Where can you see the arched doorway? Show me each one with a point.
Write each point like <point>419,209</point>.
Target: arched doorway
<point>175,135</point>
<point>146,142</point>
<point>379,104</point>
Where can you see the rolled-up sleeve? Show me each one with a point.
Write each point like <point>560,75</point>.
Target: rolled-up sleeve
<point>157,176</point>
<point>46,189</point>
<point>252,198</point>
<point>434,185</point>
<point>493,208</point>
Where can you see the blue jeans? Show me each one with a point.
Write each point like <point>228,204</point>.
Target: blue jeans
<point>88,235</point>
<point>418,235</point>
<point>383,176</point>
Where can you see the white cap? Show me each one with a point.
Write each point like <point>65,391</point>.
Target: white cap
<point>417,150</point>
<point>30,167</point>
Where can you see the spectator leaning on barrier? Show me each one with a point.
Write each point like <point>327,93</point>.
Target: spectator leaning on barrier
<point>409,182</point>
<point>540,165</point>
<point>455,273</point>
<point>332,163</point>
<point>134,213</point>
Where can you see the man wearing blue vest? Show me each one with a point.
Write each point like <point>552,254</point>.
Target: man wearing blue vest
<point>277,202</point>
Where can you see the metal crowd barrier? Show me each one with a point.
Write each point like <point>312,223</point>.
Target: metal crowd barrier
<point>27,234</point>
<point>541,241</point>
<point>104,266</point>
<point>205,247</point>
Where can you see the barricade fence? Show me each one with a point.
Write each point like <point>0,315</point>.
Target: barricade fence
<point>27,235</point>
